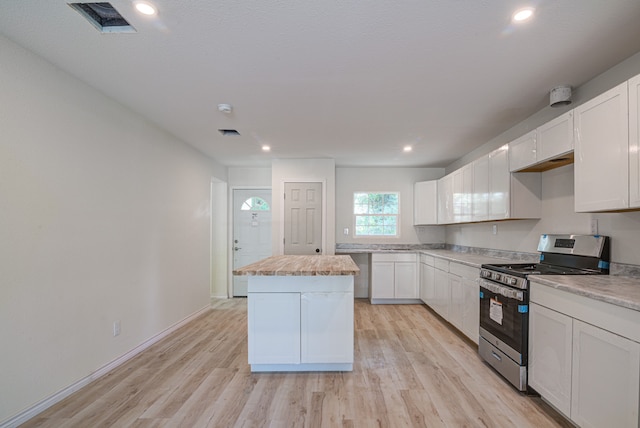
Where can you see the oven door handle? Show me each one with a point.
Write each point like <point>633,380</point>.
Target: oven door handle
<point>508,292</point>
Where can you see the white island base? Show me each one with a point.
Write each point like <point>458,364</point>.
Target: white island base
<point>300,323</point>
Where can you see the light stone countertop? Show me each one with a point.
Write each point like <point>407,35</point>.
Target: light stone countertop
<point>618,290</point>
<point>301,266</point>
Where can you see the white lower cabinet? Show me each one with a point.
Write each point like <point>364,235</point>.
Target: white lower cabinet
<point>550,338</point>
<point>580,360</point>
<point>456,295</point>
<point>427,279</point>
<point>300,328</point>
<point>324,327</point>
<point>605,376</point>
<point>274,328</point>
<point>442,298</point>
<point>456,302</point>
<point>394,278</point>
<point>471,308</point>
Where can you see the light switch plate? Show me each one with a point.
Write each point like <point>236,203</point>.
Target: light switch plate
<point>345,231</point>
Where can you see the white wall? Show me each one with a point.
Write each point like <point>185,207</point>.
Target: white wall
<point>103,217</point>
<point>249,176</point>
<point>350,180</point>
<point>291,170</point>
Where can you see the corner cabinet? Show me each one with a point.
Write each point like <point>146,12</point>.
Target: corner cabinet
<point>602,152</point>
<point>425,203</point>
<point>584,357</point>
<point>394,278</point>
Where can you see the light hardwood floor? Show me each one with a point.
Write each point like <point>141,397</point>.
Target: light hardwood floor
<point>410,370</point>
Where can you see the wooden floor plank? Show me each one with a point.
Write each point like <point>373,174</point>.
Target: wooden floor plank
<point>411,370</point>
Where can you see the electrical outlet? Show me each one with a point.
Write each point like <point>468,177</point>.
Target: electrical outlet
<point>345,231</point>
<point>116,328</point>
<point>594,226</point>
<point>494,230</point>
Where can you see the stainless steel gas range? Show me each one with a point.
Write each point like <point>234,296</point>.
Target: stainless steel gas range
<point>504,297</point>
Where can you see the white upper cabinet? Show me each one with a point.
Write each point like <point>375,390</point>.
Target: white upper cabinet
<point>425,203</point>
<point>602,152</point>
<point>523,151</point>
<point>499,176</point>
<point>445,199</point>
<point>462,189</point>
<point>480,199</point>
<point>634,142</point>
<point>512,196</point>
<point>546,147</point>
<point>555,138</point>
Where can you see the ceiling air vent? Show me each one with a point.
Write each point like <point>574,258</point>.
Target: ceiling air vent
<point>228,132</point>
<point>104,17</point>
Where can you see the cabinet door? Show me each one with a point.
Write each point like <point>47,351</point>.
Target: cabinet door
<point>442,293</point>
<point>523,151</point>
<point>555,137</point>
<point>326,327</point>
<point>445,200</point>
<point>456,303</point>
<point>499,183</point>
<point>634,142</point>
<point>382,280</point>
<point>480,189</point>
<point>605,386</point>
<point>471,309</point>
<point>466,199</point>
<point>457,190</point>
<point>425,202</point>
<point>601,155</point>
<point>274,328</point>
<point>427,284</point>
<point>550,338</point>
<point>405,279</point>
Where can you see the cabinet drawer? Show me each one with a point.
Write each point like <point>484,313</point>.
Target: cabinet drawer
<point>442,264</point>
<point>427,260</point>
<point>464,271</point>
<point>616,319</point>
<point>393,257</point>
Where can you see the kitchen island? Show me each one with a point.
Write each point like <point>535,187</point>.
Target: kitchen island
<point>300,313</point>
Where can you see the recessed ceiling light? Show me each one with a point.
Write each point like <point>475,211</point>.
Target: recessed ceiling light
<point>523,15</point>
<point>407,148</point>
<point>145,8</point>
<point>266,148</point>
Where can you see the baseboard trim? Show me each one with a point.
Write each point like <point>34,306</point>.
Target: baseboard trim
<point>43,405</point>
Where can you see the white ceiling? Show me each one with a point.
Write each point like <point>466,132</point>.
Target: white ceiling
<point>350,80</point>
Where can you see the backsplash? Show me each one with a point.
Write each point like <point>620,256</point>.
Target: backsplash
<point>489,252</point>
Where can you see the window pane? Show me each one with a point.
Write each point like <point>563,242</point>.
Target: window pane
<point>376,214</point>
<point>255,204</point>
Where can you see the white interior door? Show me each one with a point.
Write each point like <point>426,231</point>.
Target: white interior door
<point>303,218</point>
<point>251,231</point>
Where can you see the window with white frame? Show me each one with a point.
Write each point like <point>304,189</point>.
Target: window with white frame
<point>376,214</point>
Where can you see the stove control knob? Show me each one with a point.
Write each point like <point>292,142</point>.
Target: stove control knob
<point>497,276</point>
<point>513,281</point>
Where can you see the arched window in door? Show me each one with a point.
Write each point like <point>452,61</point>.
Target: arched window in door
<point>255,204</point>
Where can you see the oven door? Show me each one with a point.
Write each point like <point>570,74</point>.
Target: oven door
<point>504,315</point>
